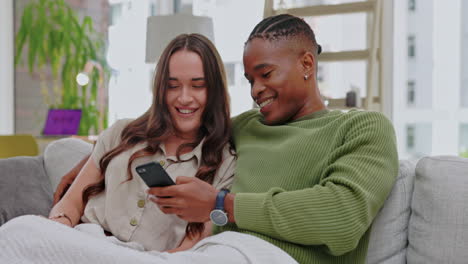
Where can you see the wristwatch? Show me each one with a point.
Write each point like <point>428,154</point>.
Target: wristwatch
<point>218,216</point>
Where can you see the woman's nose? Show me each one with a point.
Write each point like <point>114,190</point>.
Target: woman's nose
<point>185,95</point>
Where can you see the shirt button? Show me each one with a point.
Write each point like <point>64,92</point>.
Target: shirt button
<point>141,203</point>
<point>133,222</point>
<point>161,162</point>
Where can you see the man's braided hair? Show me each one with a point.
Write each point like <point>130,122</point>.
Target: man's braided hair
<point>284,26</point>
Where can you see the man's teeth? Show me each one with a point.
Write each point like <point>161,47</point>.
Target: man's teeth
<point>186,111</point>
<point>266,102</point>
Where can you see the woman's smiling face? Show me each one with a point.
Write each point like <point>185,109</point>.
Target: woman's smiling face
<point>186,93</point>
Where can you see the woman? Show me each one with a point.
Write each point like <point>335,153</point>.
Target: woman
<point>186,129</point>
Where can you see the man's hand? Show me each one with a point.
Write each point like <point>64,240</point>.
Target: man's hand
<point>191,199</point>
<point>62,220</point>
<point>67,180</point>
<point>190,241</point>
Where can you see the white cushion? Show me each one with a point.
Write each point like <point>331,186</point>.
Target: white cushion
<point>62,155</point>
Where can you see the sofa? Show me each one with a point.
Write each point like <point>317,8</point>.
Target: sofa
<point>424,220</point>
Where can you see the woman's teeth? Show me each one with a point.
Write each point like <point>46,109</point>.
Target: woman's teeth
<point>185,111</point>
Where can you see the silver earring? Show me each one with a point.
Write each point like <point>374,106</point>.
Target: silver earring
<point>306,77</point>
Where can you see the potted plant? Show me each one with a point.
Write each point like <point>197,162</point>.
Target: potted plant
<point>56,43</point>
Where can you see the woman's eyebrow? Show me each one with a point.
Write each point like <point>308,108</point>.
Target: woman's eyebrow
<point>198,79</point>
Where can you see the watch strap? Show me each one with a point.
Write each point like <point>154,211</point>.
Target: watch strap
<point>220,199</point>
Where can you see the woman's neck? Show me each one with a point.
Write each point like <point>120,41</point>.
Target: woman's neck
<point>172,143</point>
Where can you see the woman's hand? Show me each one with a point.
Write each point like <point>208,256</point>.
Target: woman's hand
<point>191,199</point>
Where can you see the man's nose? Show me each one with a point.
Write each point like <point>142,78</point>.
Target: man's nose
<point>257,89</point>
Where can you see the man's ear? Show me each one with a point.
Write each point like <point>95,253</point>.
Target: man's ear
<point>308,63</point>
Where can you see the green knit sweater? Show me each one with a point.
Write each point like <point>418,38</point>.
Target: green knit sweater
<point>313,186</point>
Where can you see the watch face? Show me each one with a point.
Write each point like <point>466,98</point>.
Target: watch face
<point>218,217</point>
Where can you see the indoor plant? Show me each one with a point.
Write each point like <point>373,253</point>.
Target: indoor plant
<point>55,41</point>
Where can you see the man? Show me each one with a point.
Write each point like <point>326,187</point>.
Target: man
<point>308,180</point>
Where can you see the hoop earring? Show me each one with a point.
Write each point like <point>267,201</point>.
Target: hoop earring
<point>306,77</point>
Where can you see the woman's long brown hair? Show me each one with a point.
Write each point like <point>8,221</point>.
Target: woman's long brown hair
<point>155,126</point>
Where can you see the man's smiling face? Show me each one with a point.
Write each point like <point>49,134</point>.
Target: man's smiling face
<point>276,75</point>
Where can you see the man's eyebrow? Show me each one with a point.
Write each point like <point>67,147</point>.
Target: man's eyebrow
<point>260,66</point>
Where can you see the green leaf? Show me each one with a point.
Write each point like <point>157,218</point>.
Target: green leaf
<point>87,21</point>
<point>92,50</point>
<point>32,52</point>
<point>23,31</point>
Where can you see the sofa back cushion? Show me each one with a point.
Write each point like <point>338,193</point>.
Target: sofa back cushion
<point>388,239</point>
<point>438,228</point>
<point>24,188</point>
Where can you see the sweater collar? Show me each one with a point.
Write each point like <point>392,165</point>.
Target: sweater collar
<point>313,115</point>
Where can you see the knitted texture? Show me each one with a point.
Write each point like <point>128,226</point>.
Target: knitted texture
<point>313,186</point>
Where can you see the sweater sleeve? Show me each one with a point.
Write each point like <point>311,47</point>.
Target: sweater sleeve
<point>340,209</point>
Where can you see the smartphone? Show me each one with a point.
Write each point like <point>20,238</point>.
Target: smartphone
<point>154,175</point>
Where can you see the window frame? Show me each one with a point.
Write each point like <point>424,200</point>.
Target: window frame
<point>379,54</point>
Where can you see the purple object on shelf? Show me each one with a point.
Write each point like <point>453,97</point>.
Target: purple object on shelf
<point>62,122</point>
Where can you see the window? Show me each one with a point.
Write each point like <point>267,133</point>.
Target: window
<point>115,13</point>
<point>463,146</point>
<point>320,73</point>
<point>278,4</point>
<point>230,73</point>
<point>348,31</point>
<point>418,140</point>
<point>412,5</point>
<point>153,9</point>
<point>411,47</point>
<point>411,92</point>
<point>229,40</point>
<point>464,93</point>
<point>410,137</point>
<point>346,74</point>
<point>464,56</point>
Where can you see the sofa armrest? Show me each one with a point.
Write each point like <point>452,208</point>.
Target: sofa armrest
<point>62,155</point>
<point>438,227</point>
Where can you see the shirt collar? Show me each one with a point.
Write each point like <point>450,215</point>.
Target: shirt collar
<point>196,152</point>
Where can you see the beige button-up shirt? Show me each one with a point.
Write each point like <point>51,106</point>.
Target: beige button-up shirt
<point>124,209</point>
